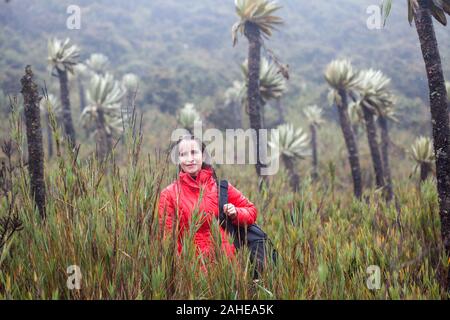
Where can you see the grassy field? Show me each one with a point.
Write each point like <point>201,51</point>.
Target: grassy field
<point>102,218</point>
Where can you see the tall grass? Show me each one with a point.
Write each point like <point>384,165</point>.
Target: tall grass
<point>102,217</point>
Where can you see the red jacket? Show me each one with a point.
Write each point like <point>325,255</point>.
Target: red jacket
<point>188,196</point>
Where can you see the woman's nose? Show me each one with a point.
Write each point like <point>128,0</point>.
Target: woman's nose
<point>190,158</point>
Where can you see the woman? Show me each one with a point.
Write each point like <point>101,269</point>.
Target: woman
<point>198,177</point>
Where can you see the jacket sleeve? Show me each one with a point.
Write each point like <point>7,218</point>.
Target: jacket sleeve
<point>166,212</point>
<point>246,211</point>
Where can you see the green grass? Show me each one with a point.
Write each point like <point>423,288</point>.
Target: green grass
<point>102,217</point>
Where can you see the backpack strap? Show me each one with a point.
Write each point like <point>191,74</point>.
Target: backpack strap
<point>224,221</point>
<point>223,199</point>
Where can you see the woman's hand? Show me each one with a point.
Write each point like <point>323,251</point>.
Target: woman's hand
<point>230,210</point>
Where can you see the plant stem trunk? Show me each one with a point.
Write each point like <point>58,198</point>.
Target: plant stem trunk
<point>294,178</point>
<point>425,169</point>
<point>439,117</point>
<point>253,94</point>
<point>382,121</point>
<point>373,145</point>
<point>350,142</point>
<point>49,137</point>
<point>104,139</point>
<point>314,174</point>
<point>34,140</point>
<point>66,112</point>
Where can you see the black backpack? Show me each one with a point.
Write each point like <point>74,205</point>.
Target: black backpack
<point>251,236</point>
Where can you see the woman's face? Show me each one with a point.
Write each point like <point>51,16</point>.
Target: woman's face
<point>190,156</point>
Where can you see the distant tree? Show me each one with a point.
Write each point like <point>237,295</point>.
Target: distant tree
<point>313,115</point>
<point>188,116</point>
<point>163,92</point>
<point>292,144</point>
<point>34,140</point>
<point>386,114</point>
<point>103,114</point>
<point>256,19</point>
<point>130,83</point>
<point>372,85</point>
<point>97,63</point>
<point>63,57</point>
<point>423,154</point>
<point>343,80</point>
